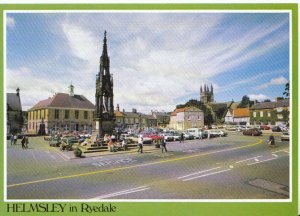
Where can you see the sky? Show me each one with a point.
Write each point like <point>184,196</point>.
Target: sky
<point>158,60</point>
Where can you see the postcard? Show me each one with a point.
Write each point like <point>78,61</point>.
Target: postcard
<point>150,109</point>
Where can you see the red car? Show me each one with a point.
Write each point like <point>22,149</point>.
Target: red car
<point>265,127</point>
<point>154,136</point>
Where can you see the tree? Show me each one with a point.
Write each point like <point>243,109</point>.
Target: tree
<point>246,102</point>
<point>267,100</point>
<point>287,90</point>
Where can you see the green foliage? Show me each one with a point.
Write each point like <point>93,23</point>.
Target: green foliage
<point>287,90</point>
<point>246,102</point>
<point>77,152</point>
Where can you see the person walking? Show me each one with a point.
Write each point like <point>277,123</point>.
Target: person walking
<point>272,141</point>
<point>12,140</point>
<point>15,139</point>
<point>181,138</point>
<point>208,134</point>
<point>140,143</point>
<point>26,142</point>
<point>23,141</point>
<point>163,145</point>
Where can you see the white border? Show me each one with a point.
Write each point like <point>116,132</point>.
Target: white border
<point>152,200</point>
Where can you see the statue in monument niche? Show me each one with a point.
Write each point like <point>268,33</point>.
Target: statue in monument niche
<point>104,114</point>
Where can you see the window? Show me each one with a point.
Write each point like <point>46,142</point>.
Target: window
<point>56,114</point>
<point>254,114</point>
<point>43,113</point>
<point>67,112</point>
<point>261,113</point>
<point>279,109</point>
<point>279,116</point>
<point>269,114</point>
<point>76,114</point>
<point>85,115</point>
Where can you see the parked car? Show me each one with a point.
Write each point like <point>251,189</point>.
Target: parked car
<point>276,129</point>
<point>196,132</point>
<point>176,136</point>
<point>219,133</point>
<point>146,140</point>
<point>252,132</point>
<point>188,136</point>
<point>265,127</point>
<point>168,137</point>
<point>285,136</point>
<point>231,128</point>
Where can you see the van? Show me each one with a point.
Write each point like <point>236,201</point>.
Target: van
<point>196,132</point>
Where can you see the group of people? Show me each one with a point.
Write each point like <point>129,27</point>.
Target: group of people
<point>163,144</point>
<point>13,139</point>
<point>113,145</point>
<point>24,141</point>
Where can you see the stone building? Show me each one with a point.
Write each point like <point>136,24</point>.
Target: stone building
<point>187,117</point>
<point>206,95</point>
<point>134,119</point>
<point>162,118</point>
<point>270,113</point>
<point>14,118</point>
<point>63,112</point>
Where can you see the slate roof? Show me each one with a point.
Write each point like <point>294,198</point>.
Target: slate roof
<point>13,102</point>
<point>63,100</point>
<point>271,105</point>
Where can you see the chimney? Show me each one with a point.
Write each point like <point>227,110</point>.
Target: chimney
<point>133,110</point>
<point>118,108</point>
<point>18,91</point>
<point>123,110</point>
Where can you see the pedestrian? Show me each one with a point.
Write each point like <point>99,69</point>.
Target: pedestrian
<point>26,142</point>
<point>163,145</point>
<point>200,134</point>
<point>12,140</point>
<point>110,145</point>
<point>272,141</point>
<point>124,145</point>
<point>181,137</point>
<point>140,143</point>
<point>23,141</point>
<point>15,139</point>
<point>208,134</point>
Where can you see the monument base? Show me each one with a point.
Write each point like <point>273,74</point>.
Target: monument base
<point>102,128</point>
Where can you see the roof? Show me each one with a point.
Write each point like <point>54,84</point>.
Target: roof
<point>63,100</point>
<point>241,112</point>
<point>271,105</point>
<point>184,109</point>
<point>13,102</point>
<point>118,113</point>
<point>217,106</point>
<point>132,114</point>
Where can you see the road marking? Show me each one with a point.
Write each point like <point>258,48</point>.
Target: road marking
<point>262,161</point>
<point>134,166</point>
<point>133,190</point>
<point>62,155</point>
<point>275,155</point>
<point>198,172</point>
<point>255,158</point>
<point>52,156</point>
<point>283,150</point>
<point>207,175</point>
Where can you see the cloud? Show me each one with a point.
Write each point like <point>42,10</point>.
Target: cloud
<point>157,59</point>
<point>275,81</point>
<point>259,97</point>
<point>10,22</point>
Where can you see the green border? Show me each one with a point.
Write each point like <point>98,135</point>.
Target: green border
<point>171,208</point>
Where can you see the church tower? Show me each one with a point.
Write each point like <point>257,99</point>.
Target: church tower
<point>104,114</point>
<point>206,95</point>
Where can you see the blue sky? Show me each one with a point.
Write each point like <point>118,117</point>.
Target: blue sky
<point>158,60</point>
